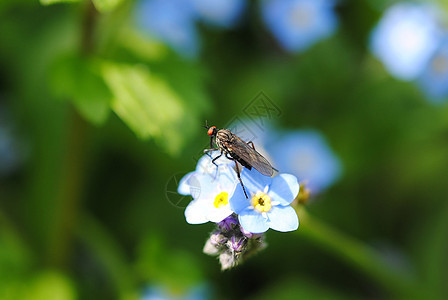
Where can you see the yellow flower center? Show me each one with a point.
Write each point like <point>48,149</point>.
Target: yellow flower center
<point>261,202</point>
<point>222,199</point>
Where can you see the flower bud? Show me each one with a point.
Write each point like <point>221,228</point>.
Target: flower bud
<point>228,223</point>
<point>237,244</point>
<point>215,244</point>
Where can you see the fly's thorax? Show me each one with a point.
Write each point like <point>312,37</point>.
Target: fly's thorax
<point>223,139</point>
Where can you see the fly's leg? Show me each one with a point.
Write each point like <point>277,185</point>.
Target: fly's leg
<point>213,160</point>
<point>239,177</point>
<point>207,151</point>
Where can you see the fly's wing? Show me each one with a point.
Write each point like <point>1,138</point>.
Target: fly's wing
<point>251,156</point>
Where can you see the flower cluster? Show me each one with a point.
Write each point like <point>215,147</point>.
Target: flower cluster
<point>411,43</point>
<point>296,24</point>
<point>218,197</point>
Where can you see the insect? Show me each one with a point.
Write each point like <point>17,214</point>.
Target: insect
<point>234,148</point>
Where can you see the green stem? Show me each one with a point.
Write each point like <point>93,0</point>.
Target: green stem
<point>70,192</point>
<point>355,253</point>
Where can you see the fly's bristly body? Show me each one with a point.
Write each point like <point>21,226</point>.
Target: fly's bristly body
<point>234,148</point>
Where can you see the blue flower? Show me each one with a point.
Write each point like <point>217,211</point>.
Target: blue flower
<point>211,190</point>
<point>306,154</point>
<point>221,13</point>
<point>299,24</point>
<point>268,203</point>
<point>172,22</point>
<point>434,79</point>
<point>405,38</point>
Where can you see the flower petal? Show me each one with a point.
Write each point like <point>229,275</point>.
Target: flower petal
<point>254,181</point>
<point>184,188</point>
<point>284,188</point>
<point>206,186</point>
<point>238,201</point>
<point>227,180</point>
<point>283,218</point>
<point>196,212</point>
<point>218,214</point>
<point>253,221</point>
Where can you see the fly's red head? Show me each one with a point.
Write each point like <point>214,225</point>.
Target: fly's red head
<point>211,131</point>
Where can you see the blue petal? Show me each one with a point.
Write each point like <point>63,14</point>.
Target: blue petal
<point>216,215</point>
<point>227,179</point>
<point>253,221</point>
<point>196,212</point>
<point>283,218</point>
<point>222,13</point>
<point>170,21</point>
<point>183,187</point>
<point>284,188</point>
<point>254,181</point>
<point>238,201</point>
<point>204,186</point>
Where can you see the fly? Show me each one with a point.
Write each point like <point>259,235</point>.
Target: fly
<point>234,148</point>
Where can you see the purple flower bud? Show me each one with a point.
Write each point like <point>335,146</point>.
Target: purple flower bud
<point>237,244</point>
<point>228,223</point>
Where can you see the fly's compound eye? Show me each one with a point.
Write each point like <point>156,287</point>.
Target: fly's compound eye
<point>211,130</point>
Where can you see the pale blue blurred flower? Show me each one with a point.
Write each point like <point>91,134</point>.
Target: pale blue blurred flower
<point>269,201</point>
<point>405,38</point>
<point>434,79</point>
<point>221,13</point>
<point>159,292</point>
<point>299,24</point>
<point>306,154</point>
<point>172,22</point>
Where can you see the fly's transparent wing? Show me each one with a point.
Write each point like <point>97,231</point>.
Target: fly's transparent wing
<point>251,156</point>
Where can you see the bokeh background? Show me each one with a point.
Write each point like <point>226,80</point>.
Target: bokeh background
<point>101,108</point>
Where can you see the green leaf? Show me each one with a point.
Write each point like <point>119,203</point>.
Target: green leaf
<point>50,285</point>
<point>106,5</point>
<point>49,2</point>
<point>77,79</point>
<point>148,105</point>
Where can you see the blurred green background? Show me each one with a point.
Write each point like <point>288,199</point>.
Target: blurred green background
<point>104,117</point>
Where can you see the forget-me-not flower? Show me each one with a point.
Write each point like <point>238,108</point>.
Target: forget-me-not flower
<point>306,154</point>
<point>269,202</point>
<point>299,24</point>
<point>211,201</point>
<point>221,13</point>
<point>405,38</point>
<point>434,79</point>
<point>172,22</point>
